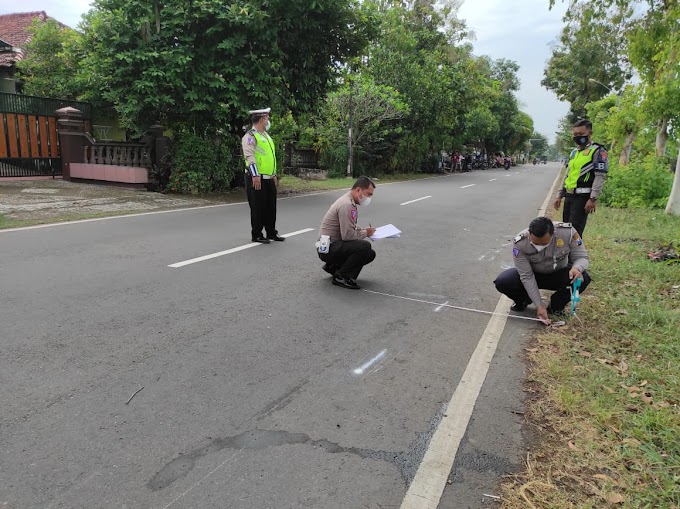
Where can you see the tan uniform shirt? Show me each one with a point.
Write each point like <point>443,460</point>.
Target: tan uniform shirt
<point>565,248</point>
<point>340,222</point>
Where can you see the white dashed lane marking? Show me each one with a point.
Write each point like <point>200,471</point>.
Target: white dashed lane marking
<point>417,199</point>
<point>230,251</point>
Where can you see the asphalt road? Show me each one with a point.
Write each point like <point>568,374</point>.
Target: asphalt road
<point>251,362</point>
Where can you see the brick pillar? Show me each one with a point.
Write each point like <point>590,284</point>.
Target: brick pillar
<point>70,127</point>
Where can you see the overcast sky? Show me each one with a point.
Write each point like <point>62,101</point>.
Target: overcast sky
<point>521,31</point>
<point>518,30</point>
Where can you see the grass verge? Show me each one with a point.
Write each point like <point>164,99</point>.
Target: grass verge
<point>606,388</point>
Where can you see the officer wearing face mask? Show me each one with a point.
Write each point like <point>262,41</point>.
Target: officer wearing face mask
<point>261,178</point>
<point>586,173</point>
<point>342,244</point>
<point>547,255</point>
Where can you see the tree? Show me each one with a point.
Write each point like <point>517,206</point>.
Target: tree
<point>587,57</point>
<point>415,56</point>
<point>206,63</point>
<point>376,111</point>
<point>49,68</point>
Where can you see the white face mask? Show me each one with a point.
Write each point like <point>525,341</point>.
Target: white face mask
<point>364,201</point>
<point>268,126</point>
<point>539,248</point>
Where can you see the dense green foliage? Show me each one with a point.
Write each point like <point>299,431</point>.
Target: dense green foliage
<point>646,182</point>
<point>201,164</point>
<point>414,86</point>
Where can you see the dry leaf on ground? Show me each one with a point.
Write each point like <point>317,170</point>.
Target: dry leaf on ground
<point>604,477</point>
<point>615,498</point>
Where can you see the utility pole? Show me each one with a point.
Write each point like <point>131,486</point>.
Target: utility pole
<point>350,148</point>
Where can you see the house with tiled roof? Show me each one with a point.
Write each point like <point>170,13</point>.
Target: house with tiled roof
<point>14,35</point>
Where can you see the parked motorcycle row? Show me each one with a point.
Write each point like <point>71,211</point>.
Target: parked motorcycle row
<point>469,162</point>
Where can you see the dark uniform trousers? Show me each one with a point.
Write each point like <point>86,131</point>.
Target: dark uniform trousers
<point>262,207</point>
<point>575,212</point>
<point>509,283</point>
<point>349,256</point>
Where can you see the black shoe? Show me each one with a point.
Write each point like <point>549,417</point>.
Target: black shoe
<point>261,240</point>
<point>276,237</point>
<point>519,306</point>
<point>345,282</point>
<point>331,269</point>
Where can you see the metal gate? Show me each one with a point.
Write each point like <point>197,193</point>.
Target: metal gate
<point>29,145</point>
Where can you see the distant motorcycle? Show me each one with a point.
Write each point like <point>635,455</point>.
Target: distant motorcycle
<point>506,163</point>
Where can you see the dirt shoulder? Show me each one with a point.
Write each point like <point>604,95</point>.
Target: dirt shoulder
<point>27,203</point>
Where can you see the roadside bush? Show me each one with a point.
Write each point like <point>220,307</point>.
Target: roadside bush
<point>334,161</point>
<point>202,164</point>
<point>642,183</point>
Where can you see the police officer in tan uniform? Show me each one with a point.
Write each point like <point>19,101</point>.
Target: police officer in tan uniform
<point>547,255</point>
<point>349,250</point>
<point>261,177</point>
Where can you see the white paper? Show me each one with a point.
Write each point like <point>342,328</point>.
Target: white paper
<point>389,231</point>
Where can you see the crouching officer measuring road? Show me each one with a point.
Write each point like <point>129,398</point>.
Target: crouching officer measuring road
<point>343,245</point>
<point>549,256</point>
<point>261,178</point>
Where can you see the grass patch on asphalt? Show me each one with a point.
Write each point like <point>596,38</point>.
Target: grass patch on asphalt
<point>605,389</point>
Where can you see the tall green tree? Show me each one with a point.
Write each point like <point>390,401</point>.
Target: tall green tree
<point>376,112</point>
<point>587,62</point>
<point>206,63</point>
<point>50,66</point>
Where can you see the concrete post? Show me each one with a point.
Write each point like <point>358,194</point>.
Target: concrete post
<point>71,130</point>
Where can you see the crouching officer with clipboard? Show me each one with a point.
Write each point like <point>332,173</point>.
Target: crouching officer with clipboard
<point>547,255</point>
<point>342,244</point>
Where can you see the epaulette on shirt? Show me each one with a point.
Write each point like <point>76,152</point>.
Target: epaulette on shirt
<point>563,225</point>
<point>518,238</point>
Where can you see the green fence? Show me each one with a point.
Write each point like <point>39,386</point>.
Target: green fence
<point>31,105</point>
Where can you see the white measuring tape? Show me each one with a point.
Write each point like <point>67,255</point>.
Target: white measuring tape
<point>552,324</point>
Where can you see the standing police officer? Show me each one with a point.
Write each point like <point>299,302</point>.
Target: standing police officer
<point>549,256</point>
<point>261,178</point>
<point>587,171</point>
<point>349,250</point>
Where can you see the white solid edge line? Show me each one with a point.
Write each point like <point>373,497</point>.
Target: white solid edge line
<point>413,201</point>
<point>469,185</point>
<point>230,251</point>
<point>184,209</point>
<point>429,482</point>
